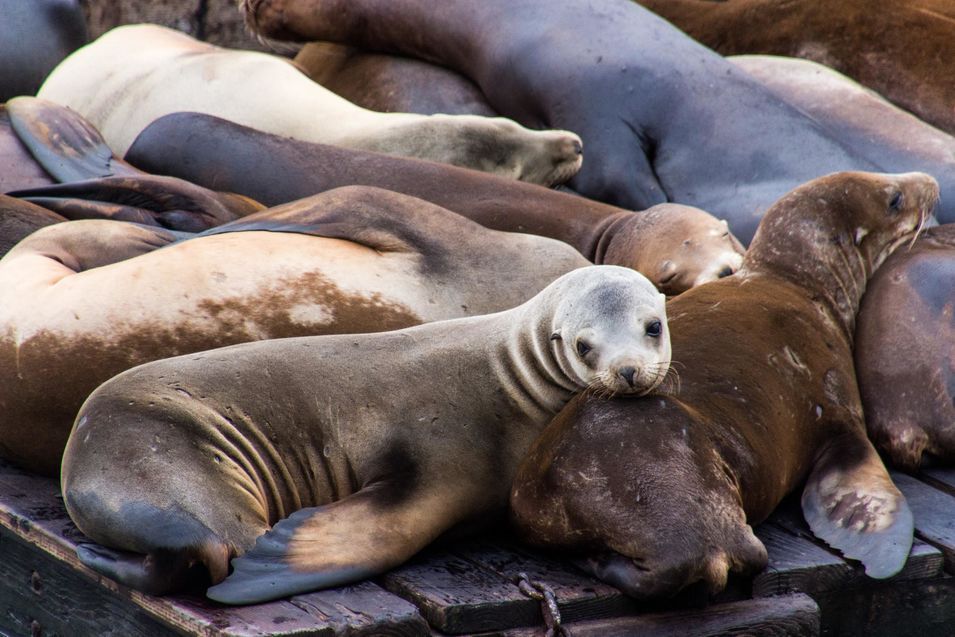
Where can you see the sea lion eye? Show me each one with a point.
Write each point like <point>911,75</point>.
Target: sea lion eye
<point>654,328</point>
<point>555,336</point>
<point>897,200</point>
<point>583,347</point>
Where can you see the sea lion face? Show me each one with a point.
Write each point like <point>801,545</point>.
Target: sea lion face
<point>700,248</point>
<point>548,158</point>
<point>605,354</point>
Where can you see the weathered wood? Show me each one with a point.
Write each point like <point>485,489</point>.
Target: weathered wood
<point>942,478</point>
<point>32,513</point>
<point>934,513</point>
<point>794,615</point>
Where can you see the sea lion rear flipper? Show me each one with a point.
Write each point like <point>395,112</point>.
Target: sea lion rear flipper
<point>332,545</point>
<point>850,502</point>
<point>148,199</point>
<point>62,142</point>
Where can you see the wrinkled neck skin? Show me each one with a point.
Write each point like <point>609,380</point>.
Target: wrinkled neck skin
<point>830,266</point>
<point>532,369</point>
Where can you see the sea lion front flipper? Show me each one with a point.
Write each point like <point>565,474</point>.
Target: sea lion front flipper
<point>332,545</point>
<point>150,199</point>
<point>154,574</point>
<point>851,503</point>
<point>62,142</point>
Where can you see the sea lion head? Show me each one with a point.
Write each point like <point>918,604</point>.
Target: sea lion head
<point>678,247</point>
<point>609,331</point>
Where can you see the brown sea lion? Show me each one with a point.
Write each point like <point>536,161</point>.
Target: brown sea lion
<point>905,351</point>
<point>134,74</point>
<point>662,117</point>
<point>359,449</point>
<point>898,47</point>
<point>76,308</point>
<point>391,83</point>
<point>43,144</point>
<point>34,37</point>
<point>674,246</point>
<point>662,490</point>
<point>19,219</point>
<point>861,120</point>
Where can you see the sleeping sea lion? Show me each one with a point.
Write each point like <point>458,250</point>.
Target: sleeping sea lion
<point>76,307</point>
<point>134,74</point>
<point>662,490</point>
<point>356,450</point>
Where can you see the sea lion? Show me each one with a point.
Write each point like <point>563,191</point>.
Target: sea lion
<point>43,144</point>
<point>905,352</point>
<point>34,37</point>
<point>133,74</point>
<point>366,449</point>
<point>662,117</point>
<point>662,490</point>
<point>897,50</point>
<point>76,308</point>
<point>861,120</point>
<point>674,246</point>
<point>19,219</point>
<point>391,83</point>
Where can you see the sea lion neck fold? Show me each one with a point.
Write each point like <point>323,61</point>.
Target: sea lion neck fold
<point>857,238</point>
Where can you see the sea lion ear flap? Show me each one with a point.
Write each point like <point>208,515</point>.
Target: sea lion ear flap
<point>851,503</point>
<point>62,142</point>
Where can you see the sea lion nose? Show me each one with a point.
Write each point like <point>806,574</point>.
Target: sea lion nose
<point>578,147</point>
<point>725,272</point>
<point>627,374</point>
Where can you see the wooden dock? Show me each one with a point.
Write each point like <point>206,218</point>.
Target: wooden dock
<point>471,587</point>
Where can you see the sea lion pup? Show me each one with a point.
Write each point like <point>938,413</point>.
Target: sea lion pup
<point>766,400</point>
<point>861,120</point>
<point>391,83</point>
<point>76,308</point>
<point>847,36</point>
<point>133,74</point>
<point>674,246</point>
<point>356,450</point>
<point>34,37</point>
<point>662,117</point>
<point>43,144</point>
<point>904,352</point>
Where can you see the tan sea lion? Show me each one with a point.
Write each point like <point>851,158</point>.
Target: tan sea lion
<point>76,308</point>
<point>391,83</point>
<point>360,449</point>
<point>133,74</point>
<point>897,48</point>
<point>674,246</point>
<point>661,491</point>
<point>905,352</point>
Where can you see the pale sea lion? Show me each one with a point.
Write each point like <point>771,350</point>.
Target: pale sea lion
<point>663,118</point>
<point>898,50</point>
<point>366,449</point>
<point>905,352</point>
<point>391,83</point>
<point>674,246</point>
<point>892,139</point>
<point>661,491</point>
<point>76,309</point>
<point>134,74</point>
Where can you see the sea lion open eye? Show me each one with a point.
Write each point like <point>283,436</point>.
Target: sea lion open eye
<point>654,328</point>
<point>897,200</point>
<point>583,347</point>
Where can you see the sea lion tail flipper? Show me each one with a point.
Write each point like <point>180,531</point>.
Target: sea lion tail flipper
<point>148,199</point>
<point>332,545</point>
<point>851,503</point>
<point>158,573</point>
<point>67,146</point>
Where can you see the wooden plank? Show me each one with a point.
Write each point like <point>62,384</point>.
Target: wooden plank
<point>934,513</point>
<point>32,511</point>
<point>942,478</point>
<point>793,615</point>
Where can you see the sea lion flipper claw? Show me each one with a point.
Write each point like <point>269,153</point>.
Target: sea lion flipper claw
<point>321,547</point>
<point>855,507</point>
<point>62,142</point>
